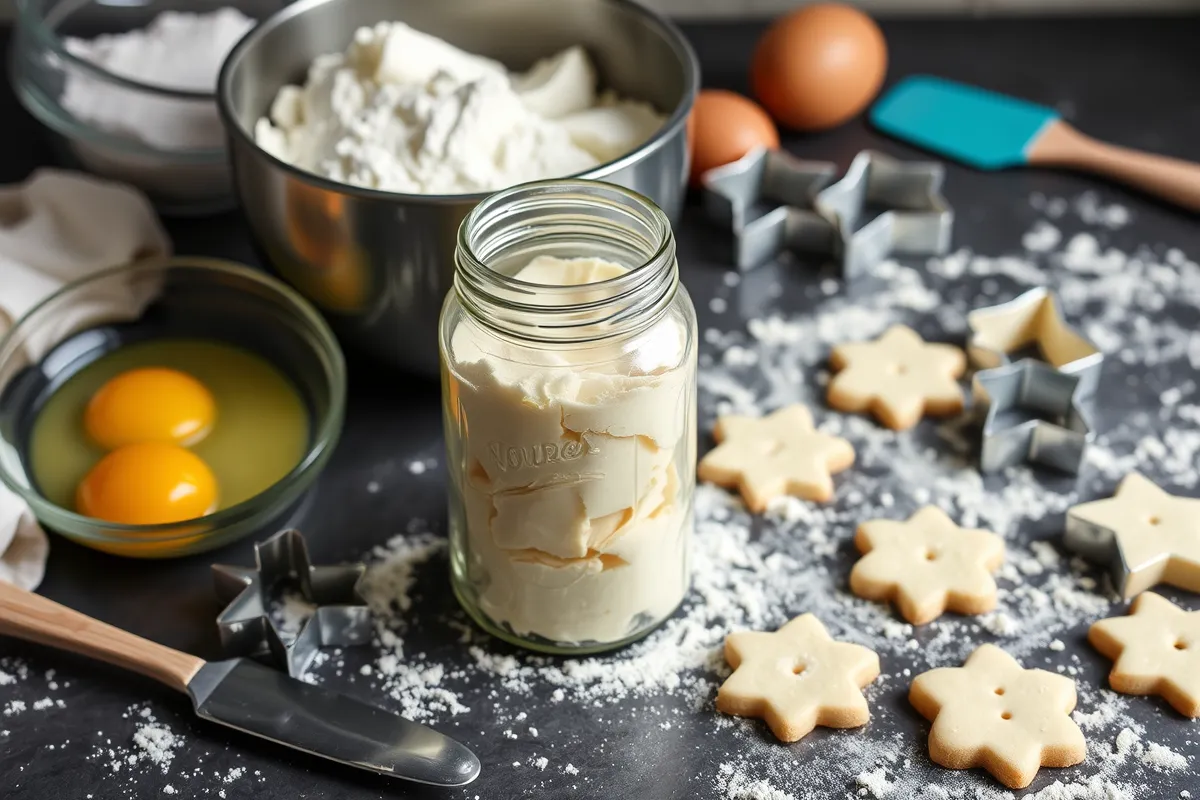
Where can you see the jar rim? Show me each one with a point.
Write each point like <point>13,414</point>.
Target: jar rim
<point>496,298</point>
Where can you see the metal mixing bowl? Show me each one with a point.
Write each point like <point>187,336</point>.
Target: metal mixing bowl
<point>379,263</point>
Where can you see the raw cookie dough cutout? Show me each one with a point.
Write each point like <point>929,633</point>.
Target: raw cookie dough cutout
<point>797,678</point>
<point>899,378</point>
<point>927,565</point>
<point>778,454</point>
<point>1156,534</point>
<point>991,713</point>
<point>1033,319</point>
<point>1156,649</point>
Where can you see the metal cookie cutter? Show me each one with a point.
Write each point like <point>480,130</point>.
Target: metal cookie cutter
<point>765,199</point>
<point>1099,545</point>
<point>1033,319</point>
<point>1140,533</point>
<point>913,217</point>
<point>340,616</point>
<point>1031,412</point>
<point>816,217</point>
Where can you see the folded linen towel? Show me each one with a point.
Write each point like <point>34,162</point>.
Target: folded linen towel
<point>55,228</point>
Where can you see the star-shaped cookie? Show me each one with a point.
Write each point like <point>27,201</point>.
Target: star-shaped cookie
<point>991,713</point>
<point>797,678</point>
<point>927,565</point>
<point>781,453</point>
<point>1156,650</point>
<point>1147,535</point>
<point>899,378</point>
<point>1034,318</point>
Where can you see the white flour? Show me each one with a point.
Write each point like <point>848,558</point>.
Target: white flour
<point>403,111</point>
<point>178,50</point>
<point>290,611</point>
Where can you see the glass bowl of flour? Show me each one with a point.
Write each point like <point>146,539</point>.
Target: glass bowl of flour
<point>128,90</point>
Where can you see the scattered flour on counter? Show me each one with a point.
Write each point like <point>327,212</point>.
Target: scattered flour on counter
<point>736,785</point>
<point>1000,624</point>
<point>391,575</point>
<point>407,678</point>
<point>1052,207</point>
<point>1164,758</point>
<point>1130,745</point>
<point>874,783</point>
<point>156,744</point>
<point>1042,237</point>
<point>1087,207</point>
<point>1093,212</point>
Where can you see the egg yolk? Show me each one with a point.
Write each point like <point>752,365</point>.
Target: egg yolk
<point>153,404</point>
<point>147,484</point>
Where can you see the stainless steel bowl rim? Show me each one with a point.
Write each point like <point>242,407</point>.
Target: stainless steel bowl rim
<point>325,437</point>
<point>678,42</point>
<point>28,19</point>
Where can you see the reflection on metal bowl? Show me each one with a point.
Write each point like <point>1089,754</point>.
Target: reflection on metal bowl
<point>378,263</point>
<point>331,268</point>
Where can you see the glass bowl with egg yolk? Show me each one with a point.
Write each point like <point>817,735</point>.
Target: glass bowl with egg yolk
<point>196,408</point>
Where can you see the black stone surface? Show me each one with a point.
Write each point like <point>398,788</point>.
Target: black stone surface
<point>1131,81</point>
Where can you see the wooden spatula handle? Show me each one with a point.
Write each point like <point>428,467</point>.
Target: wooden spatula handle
<point>1172,179</point>
<point>32,617</point>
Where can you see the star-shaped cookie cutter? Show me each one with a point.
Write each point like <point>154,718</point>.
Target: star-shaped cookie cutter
<point>813,216</point>
<point>1053,428</point>
<point>913,219</point>
<point>341,617</point>
<point>765,199</point>
<point>1033,318</point>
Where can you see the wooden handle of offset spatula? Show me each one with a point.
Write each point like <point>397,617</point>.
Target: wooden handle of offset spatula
<point>1171,179</point>
<point>32,617</point>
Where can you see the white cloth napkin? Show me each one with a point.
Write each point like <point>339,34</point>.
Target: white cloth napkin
<point>54,228</point>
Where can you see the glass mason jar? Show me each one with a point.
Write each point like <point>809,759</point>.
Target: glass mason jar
<point>568,351</point>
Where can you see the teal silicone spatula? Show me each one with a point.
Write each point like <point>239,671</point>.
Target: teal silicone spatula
<point>989,131</point>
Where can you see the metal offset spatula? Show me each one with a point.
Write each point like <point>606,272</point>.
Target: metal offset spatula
<point>988,131</point>
<point>250,697</point>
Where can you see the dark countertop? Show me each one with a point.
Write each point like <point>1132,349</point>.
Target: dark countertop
<point>1130,81</point>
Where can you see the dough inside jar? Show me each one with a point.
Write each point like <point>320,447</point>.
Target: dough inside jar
<point>576,474</point>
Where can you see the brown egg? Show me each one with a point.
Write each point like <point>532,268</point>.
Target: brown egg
<point>819,66</point>
<point>723,127</point>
